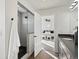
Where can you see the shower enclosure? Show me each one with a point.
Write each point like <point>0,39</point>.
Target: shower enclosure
<point>25,31</point>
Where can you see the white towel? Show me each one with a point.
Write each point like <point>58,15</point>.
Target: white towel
<point>14,42</point>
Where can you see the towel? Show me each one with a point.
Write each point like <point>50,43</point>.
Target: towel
<point>14,42</point>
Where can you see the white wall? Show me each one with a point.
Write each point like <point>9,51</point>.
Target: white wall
<point>73,20</point>
<point>11,12</point>
<point>2,29</point>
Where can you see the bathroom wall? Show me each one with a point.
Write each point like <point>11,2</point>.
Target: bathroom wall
<point>2,29</point>
<point>73,20</point>
<point>10,12</point>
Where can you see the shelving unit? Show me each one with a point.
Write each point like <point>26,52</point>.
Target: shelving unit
<point>48,28</point>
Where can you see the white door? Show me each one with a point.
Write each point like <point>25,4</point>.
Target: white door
<point>37,33</point>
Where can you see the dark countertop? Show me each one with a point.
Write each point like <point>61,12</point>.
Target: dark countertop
<point>66,36</point>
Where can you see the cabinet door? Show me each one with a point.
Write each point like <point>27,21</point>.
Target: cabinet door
<point>11,12</point>
<point>63,54</point>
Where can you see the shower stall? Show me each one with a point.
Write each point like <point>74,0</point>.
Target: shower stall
<point>25,31</point>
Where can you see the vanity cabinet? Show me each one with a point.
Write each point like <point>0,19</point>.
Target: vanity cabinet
<point>64,52</point>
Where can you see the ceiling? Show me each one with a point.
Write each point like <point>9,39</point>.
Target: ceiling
<point>45,4</point>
